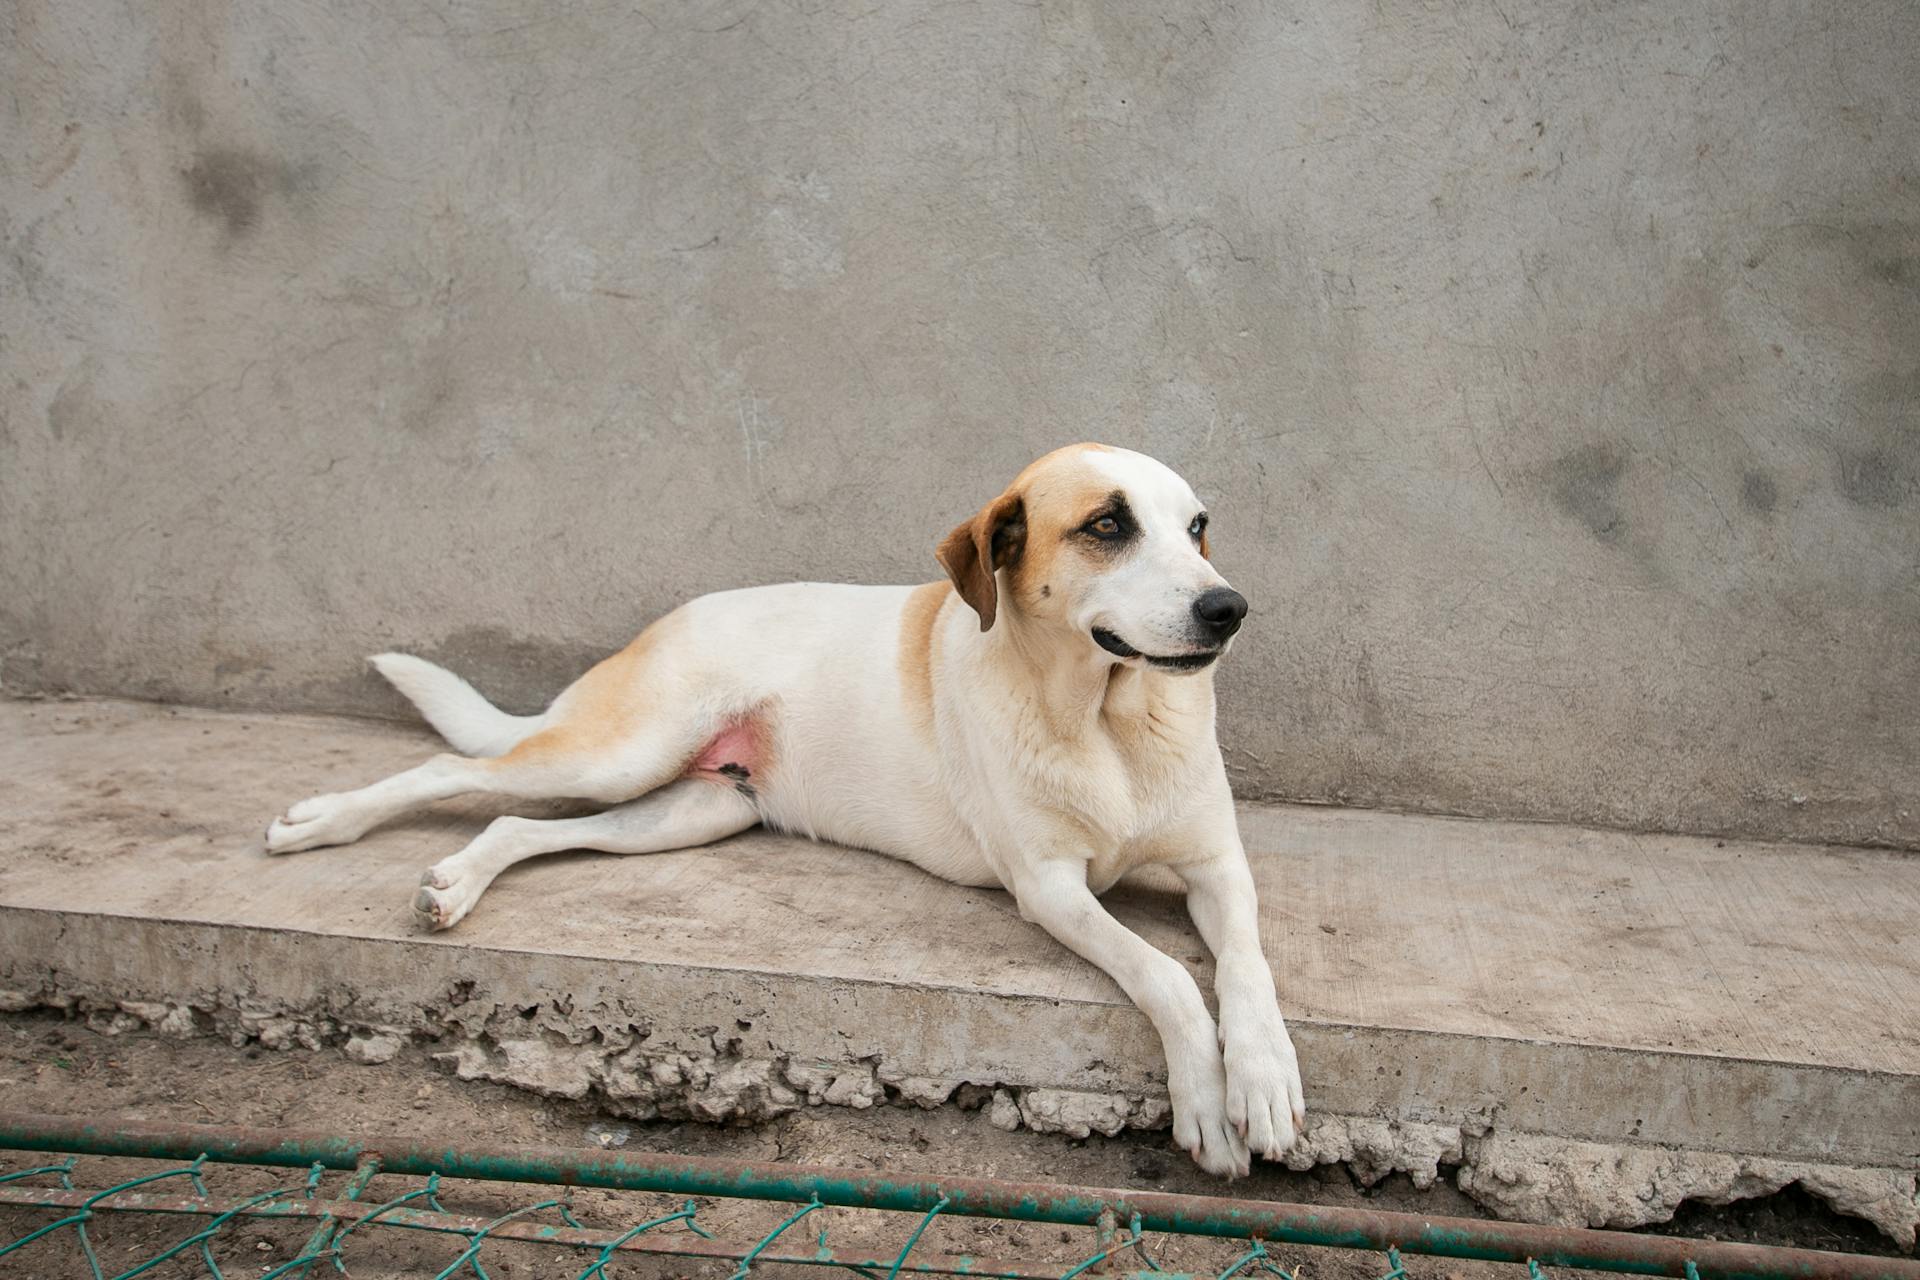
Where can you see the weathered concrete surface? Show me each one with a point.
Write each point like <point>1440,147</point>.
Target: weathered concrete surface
<point>1542,1008</point>
<point>1550,366</point>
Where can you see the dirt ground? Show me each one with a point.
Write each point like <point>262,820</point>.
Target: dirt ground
<point>53,1065</point>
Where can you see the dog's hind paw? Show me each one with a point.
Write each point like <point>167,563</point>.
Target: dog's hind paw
<point>314,824</point>
<point>445,897</point>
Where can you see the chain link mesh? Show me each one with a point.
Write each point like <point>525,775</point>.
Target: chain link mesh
<point>348,1218</point>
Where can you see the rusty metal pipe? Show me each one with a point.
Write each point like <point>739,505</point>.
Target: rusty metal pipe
<point>975,1197</point>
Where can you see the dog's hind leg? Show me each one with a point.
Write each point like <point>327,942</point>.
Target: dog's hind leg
<point>554,764</point>
<point>679,816</point>
<point>624,728</point>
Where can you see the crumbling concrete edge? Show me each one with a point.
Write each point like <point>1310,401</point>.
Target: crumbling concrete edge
<point>1515,1175</point>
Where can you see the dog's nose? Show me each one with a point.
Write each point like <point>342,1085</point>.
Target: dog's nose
<point>1220,610</point>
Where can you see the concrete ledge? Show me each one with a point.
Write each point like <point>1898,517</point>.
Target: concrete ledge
<point>1591,1026</point>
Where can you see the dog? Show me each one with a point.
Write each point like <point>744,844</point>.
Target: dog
<point>1042,721</point>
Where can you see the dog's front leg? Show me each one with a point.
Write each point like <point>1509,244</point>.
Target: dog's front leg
<point>1054,895</point>
<point>1264,1098</point>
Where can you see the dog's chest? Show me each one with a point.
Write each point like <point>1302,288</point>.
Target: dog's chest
<point>1126,779</point>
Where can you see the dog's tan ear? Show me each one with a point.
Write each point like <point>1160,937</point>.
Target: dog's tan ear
<point>991,540</point>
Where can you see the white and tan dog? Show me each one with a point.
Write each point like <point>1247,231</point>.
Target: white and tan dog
<point>1043,722</point>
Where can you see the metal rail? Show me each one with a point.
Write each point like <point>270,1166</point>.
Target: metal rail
<point>1251,1220</point>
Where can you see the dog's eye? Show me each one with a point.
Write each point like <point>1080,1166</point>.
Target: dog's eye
<point>1199,525</point>
<point>1106,527</point>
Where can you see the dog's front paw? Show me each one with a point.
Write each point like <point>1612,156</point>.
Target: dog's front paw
<point>1211,1141</point>
<point>1265,1103</point>
<point>1200,1122</point>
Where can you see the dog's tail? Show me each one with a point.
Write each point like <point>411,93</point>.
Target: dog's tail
<point>473,726</point>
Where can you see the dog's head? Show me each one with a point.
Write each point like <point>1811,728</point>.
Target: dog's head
<point>1105,544</point>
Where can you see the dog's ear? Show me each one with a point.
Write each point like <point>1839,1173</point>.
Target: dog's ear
<point>991,540</point>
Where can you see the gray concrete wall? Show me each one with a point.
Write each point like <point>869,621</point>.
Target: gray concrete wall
<point>1550,368</point>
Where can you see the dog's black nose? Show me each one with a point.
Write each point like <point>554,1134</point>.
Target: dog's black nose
<point>1220,610</point>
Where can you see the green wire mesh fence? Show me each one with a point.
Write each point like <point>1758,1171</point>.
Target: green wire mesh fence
<point>347,1215</point>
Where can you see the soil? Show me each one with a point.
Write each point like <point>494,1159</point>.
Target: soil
<point>52,1065</point>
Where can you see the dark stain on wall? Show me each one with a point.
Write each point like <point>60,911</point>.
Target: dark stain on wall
<point>1882,252</point>
<point>1877,440</point>
<point>1874,478</point>
<point>1585,485</point>
<point>228,186</point>
<point>1888,253</point>
<point>232,185</point>
<point>1894,269</point>
<point>1758,493</point>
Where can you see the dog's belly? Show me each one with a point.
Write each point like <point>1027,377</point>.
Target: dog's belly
<point>862,798</point>
<point>878,794</point>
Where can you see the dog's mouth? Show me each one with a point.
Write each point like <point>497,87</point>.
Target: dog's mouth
<point>1119,648</point>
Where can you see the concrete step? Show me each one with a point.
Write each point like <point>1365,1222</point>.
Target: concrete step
<point>1589,1024</point>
